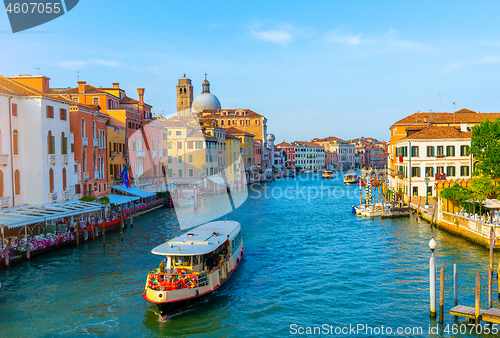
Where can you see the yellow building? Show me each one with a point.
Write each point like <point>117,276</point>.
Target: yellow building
<point>233,163</point>
<point>115,153</point>
<point>246,146</point>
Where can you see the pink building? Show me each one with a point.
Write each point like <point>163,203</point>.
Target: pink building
<point>257,153</point>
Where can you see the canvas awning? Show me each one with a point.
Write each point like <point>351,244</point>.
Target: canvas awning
<point>122,199</point>
<point>31,214</point>
<point>492,204</point>
<point>132,191</point>
<point>216,179</point>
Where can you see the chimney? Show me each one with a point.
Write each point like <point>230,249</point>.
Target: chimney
<point>116,85</point>
<point>81,86</point>
<point>140,91</point>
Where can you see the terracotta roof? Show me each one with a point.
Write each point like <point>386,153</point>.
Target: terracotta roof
<point>129,100</point>
<point>460,116</point>
<point>327,139</point>
<point>439,132</point>
<point>236,131</point>
<point>88,90</point>
<point>307,144</point>
<point>283,144</point>
<point>231,137</point>
<point>218,113</point>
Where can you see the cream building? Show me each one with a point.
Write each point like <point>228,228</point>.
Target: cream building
<point>437,152</point>
<point>309,155</point>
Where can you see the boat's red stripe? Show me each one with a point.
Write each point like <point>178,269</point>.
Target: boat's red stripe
<point>201,294</point>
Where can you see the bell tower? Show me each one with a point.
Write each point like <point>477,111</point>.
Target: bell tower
<point>184,96</point>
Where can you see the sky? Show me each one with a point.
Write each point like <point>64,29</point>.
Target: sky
<point>312,68</point>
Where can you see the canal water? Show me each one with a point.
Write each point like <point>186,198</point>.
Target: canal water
<point>309,262</point>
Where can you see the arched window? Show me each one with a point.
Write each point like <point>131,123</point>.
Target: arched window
<point>180,90</point>
<point>15,142</point>
<point>93,129</point>
<point>184,90</point>
<point>64,144</point>
<point>51,180</point>
<point>17,182</point>
<point>51,143</point>
<point>1,183</point>
<point>83,128</point>
<point>84,161</point>
<point>64,178</point>
<point>95,161</point>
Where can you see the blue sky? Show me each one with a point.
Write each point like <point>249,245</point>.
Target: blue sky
<point>314,69</point>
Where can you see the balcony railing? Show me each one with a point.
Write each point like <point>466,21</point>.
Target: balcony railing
<point>86,176</point>
<point>64,159</point>
<point>4,159</point>
<point>85,141</point>
<point>52,159</point>
<point>96,142</point>
<point>52,197</point>
<point>4,202</point>
<point>140,154</point>
<point>65,195</point>
<point>97,175</point>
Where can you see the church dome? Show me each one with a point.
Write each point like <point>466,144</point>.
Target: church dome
<point>206,100</point>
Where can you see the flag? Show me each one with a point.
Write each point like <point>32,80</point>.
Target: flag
<point>124,176</point>
<point>130,175</point>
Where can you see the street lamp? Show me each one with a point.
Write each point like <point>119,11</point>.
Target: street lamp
<point>427,179</point>
<point>432,275</point>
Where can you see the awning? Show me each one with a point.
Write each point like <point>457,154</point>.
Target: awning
<point>132,191</point>
<point>31,214</point>
<point>121,199</point>
<point>154,188</point>
<point>216,179</point>
<point>492,204</point>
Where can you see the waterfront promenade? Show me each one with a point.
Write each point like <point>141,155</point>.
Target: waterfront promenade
<point>308,261</point>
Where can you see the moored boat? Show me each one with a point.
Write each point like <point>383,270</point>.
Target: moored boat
<point>350,178</point>
<point>327,174</point>
<point>373,210</point>
<point>195,264</point>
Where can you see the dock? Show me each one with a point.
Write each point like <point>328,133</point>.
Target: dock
<point>491,316</point>
<point>398,212</point>
<point>466,312</point>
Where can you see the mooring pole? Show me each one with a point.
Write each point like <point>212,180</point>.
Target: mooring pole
<point>490,288</point>
<point>441,296</point>
<point>432,271</point>
<point>77,232</point>
<point>455,286</point>
<point>478,297</point>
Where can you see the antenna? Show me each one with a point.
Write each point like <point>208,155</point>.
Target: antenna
<point>38,70</point>
<point>454,115</point>
<point>78,76</point>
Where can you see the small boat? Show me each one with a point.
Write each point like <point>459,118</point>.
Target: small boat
<point>327,174</point>
<point>195,264</point>
<point>369,211</point>
<point>350,178</point>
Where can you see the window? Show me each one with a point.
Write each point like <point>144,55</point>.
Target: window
<point>170,159</point>
<point>64,179</point>
<point>15,142</point>
<point>190,145</point>
<point>178,133</point>
<point>179,159</point>
<point>190,158</point>
<point>50,112</point>
<point>17,182</point>
<point>464,170</point>
<point>440,170</point>
<point>14,109</point>
<point>450,171</point>
<point>440,151</point>
<point>51,143</point>
<point>51,180</point>
<point>450,151</point>
<point>179,145</point>
<point>415,191</point>
<point>180,172</point>
<point>169,145</point>
<point>62,114</point>
<point>191,172</point>
<point>414,152</point>
<point>429,171</point>
<point>95,101</point>
<point>169,133</point>
<point>83,128</point>
<point>415,172</point>
<point>75,99</point>
<point>64,144</point>
<point>430,151</point>
<point>169,172</point>
<point>93,129</point>
<point>464,150</point>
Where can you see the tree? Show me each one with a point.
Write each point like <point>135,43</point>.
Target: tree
<point>457,194</point>
<point>485,146</point>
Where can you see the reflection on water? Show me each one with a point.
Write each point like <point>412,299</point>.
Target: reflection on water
<point>308,261</point>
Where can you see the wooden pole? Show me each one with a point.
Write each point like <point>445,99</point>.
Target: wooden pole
<point>455,286</point>
<point>433,213</point>
<point>92,229</point>
<point>441,296</point>
<point>28,251</point>
<point>418,209</point>
<point>492,246</point>
<point>490,289</point>
<point>478,297</point>
<point>103,233</point>
<point>432,285</point>
<point>77,232</point>
<point>121,226</point>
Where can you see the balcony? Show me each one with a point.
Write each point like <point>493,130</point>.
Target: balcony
<point>85,141</point>
<point>113,154</point>
<point>4,202</point>
<point>4,159</point>
<point>65,195</point>
<point>97,175</point>
<point>96,142</point>
<point>52,197</point>
<point>140,154</point>
<point>86,176</point>
<point>64,159</point>
<point>52,158</point>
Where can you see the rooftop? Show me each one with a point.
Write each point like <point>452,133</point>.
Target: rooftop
<point>439,132</point>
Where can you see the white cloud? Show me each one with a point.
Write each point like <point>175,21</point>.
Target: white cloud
<point>280,36</point>
<point>78,64</point>
<point>485,60</point>
<point>344,39</point>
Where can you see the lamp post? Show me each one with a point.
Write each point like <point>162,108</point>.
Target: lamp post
<point>427,179</point>
<point>432,274</point>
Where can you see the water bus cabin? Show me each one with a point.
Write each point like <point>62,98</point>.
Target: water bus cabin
<point>350,178</point>
<point>194,265</point>
<point>327,174</point>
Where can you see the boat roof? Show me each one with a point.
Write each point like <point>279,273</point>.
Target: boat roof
<point>200,240</point>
